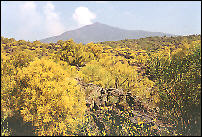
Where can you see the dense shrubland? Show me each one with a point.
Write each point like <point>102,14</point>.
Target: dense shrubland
<point>148,86</point>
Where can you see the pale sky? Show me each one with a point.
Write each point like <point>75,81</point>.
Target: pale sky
<point>35,20</point>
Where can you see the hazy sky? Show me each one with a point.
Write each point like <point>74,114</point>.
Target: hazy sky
<point>35,20</point>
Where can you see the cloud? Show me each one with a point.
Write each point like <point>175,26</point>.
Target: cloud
<point>83,16</point>
<point>34,24</point>
<point>53,24</point>
<point>29,19</point>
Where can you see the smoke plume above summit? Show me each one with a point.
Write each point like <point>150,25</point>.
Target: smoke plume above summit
<point>83,16</point>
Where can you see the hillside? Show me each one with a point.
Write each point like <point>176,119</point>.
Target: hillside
<point>99,32</point>
<point>133,87</point>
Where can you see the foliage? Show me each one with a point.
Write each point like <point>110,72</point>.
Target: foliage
<point>47,96</point>
<point>50,98</point>
<point>179,82</point>
<point>95,73</point>
<point>46,84</point>
<point>74,54</point>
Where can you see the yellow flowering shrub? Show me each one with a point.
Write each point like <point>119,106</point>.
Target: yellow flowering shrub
<point>115,72</point>
<point>75,54</point>
<point>96,49</point>
<point>7,84</point>
<point>8,73</point>
<point>179,86</point>
<point>123,80</point>
<point>48,97</point>
<point>93,72</point>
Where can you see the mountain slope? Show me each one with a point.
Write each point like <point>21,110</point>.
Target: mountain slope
<point>99,32</point>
